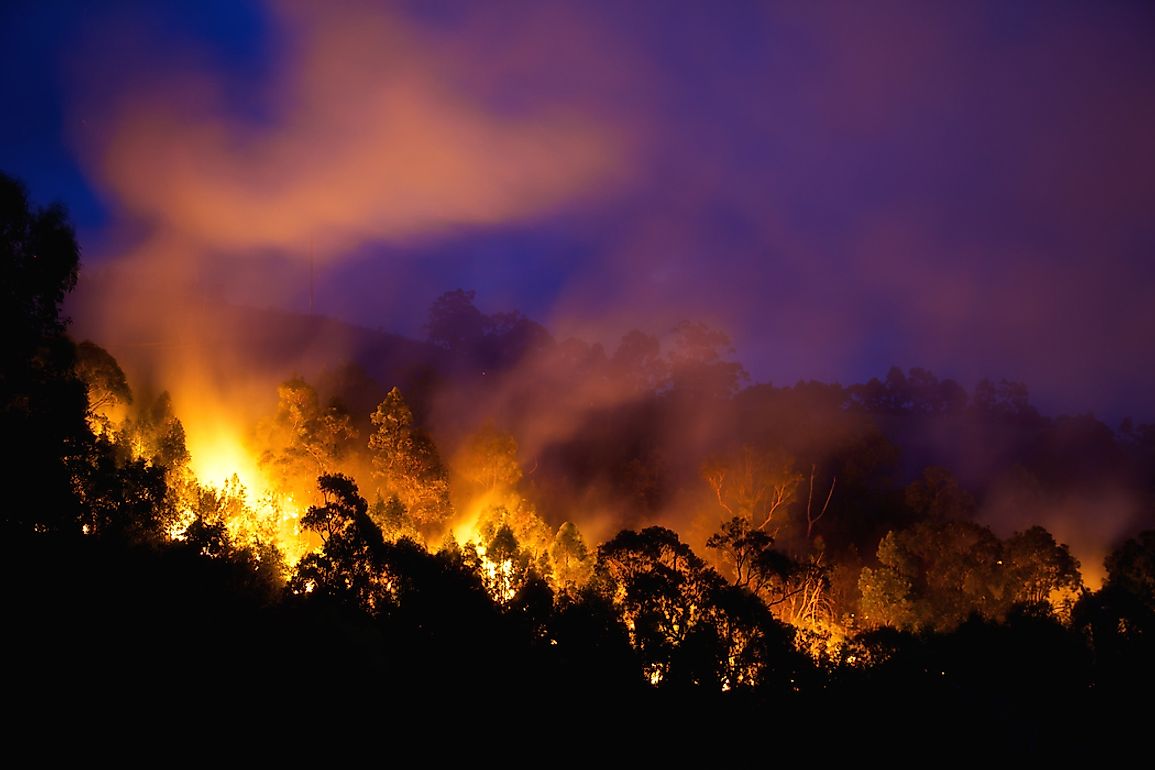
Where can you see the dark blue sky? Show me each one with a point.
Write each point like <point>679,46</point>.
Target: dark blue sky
<point>843,186</point>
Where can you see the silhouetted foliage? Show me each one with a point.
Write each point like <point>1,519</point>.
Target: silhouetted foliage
<point>499,340</point>
<point>102,375</point>
<point>43,403</point>
<point>348,569</point>
<point>698,367</point>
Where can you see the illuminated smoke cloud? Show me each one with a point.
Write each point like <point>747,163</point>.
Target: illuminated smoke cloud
<point>365,132</point>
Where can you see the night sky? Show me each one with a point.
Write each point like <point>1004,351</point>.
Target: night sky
<point>964,187</point>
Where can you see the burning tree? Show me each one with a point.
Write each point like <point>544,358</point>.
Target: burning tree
<point>406,464</point>
<point>754,485</point>
<point>488,463</point>
<point>765,499</point>
<point>571,559</point>
<point>303,440</point>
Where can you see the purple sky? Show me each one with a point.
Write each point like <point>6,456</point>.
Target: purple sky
<point>965,187</point>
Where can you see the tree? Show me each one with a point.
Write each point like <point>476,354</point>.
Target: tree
<point>488,462</point>
<point>528,527</point>
<point>455,323</point>
<point>153,432</point>
<point>936,496</point>
<point>1006,400</point>
<point>41,260</point>
<point>754,485</point>
<point>660,588</point>
<point>697,364</point>
<point>890,396</point>
<point>227,508</point>
<point>1040,571</point>
<point>393,435</point>
<point>406,464</point>
<point>749,555</point>
<point>886,596</point>
<point>930,396</point>
<point>107,386</point>
<point>123,498</point>
<point>512,336</point>
<point>350,388</point>
<point>1131,567</point>
<point>571,558</point>
<point>1119,621</point>
<point>303,440</point>
<point>506,566</point>
<point>934,575</point>
<point>349,569</point>
<point>740,644</point>
<point>43,403</point>
<point>513,546</point>
<point>394,520</point>
<point>638,364</point>
<point>795,591</point>
<point>689,627</point>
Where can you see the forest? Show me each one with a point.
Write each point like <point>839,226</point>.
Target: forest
<point>512,546</point>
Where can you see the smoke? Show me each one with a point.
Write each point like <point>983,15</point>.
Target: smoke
<point>965,189</point>
<point>372,127</point>
<point>366,132</point>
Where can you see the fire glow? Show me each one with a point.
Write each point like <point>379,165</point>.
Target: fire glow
<point>222,462</point>
<point>357,151</point>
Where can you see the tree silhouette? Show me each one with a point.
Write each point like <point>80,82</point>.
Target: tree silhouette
<point>1039,571</point>
<point>43,404</point>
<point>348,570</point>
<point>661,588</point>
<point>105,380</point>
<point>455,323</point>
<point>698,365</point>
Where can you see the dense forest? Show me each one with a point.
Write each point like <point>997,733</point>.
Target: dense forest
<point>526,544</point>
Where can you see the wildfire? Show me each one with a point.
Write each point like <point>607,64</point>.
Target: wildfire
<point>466,530</point>
<point>218,453</point>
<point>252,508</point>
<point>497,574</point>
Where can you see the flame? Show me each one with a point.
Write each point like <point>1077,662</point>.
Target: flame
<point>218,453</point>
<point>466,531</point>
<point>466,527</point>
<point>221,460</point>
